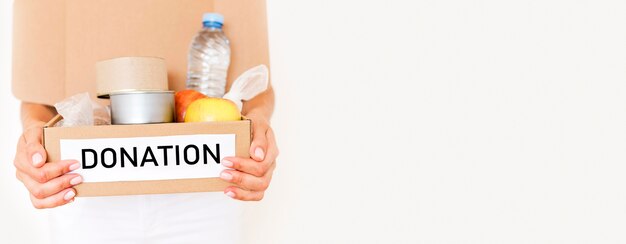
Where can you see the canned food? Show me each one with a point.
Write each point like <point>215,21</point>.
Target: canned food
<point>142,107</point>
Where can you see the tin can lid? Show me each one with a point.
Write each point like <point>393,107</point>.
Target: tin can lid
<point>130,74</point>
<point>125,92</point>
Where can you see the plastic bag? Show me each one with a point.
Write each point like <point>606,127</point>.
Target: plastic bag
<point>101,114</point>
<point>80,110</point>
<point>248,85</point>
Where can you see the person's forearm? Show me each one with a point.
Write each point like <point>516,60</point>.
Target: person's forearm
<point>262,105</point>
<point>34,114</point>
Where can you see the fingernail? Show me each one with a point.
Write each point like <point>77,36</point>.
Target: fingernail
<point>226,176</point>
<point>37,158</point>
<point>230,194</point>
<point>227,163</point>
<point>69,195</point>
<point>74,166</point>
<point>259,153</point>
<point>76,180</point>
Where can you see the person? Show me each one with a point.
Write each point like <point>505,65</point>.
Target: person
<point>56,43</point>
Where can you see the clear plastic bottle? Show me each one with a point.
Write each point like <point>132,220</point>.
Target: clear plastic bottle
<point>209,57</point>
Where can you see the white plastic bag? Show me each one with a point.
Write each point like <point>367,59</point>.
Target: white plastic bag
<point>80,110</point>
<point>248,85</point>
<point>101,114</point>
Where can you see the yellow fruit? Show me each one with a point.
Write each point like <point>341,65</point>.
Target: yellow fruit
<point>212,109</point>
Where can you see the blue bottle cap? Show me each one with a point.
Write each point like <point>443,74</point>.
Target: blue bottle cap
<point>212,17</point>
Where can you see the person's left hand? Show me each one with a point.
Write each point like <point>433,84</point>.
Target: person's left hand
<point>252,176</point>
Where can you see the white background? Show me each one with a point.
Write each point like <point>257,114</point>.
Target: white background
<point>445,121</point>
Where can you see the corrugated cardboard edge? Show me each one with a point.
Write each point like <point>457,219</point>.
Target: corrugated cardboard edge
<point>120,188</point>
<point>53,121</point>
<point>52,135</point>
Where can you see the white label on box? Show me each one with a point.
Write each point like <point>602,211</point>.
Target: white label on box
<point>149,158</point>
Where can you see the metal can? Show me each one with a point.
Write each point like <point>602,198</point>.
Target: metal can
<point>142,107</point>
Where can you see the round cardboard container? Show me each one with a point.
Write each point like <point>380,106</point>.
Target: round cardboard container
<point>128,74</point>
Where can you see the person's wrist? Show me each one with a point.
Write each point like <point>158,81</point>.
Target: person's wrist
<point>30,124</point>
<point>257,116</point>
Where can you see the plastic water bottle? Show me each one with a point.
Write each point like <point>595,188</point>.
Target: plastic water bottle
<point>209,57</point>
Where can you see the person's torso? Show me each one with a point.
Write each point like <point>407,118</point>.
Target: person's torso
<point>103,29</point>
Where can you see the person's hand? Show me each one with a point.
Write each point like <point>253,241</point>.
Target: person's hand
<point>47,183</point>
<point>252,176</point>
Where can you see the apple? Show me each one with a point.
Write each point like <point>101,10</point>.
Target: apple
<point>183,99</point>
<point>212,109</point>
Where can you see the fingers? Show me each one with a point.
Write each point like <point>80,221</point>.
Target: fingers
<point>258,147</point>
<point>257,168</point>
<point>247,165</point>
<point>35,151</point>
<point>36,154</point>
<point>248,181</point>
<point>33,135</point>
<point>252,176</point>
<point>58,199</point>
<point>48,183</point>
<point>244,195</point>
<point>48,171</point>
<point>42,191</point>
<point>272,150</point>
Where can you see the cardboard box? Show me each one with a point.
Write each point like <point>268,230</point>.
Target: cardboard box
<point>182,157</point>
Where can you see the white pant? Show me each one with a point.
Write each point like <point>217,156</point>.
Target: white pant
<point>169,218</point>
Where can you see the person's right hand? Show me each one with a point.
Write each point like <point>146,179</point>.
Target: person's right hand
<point>47,183</point>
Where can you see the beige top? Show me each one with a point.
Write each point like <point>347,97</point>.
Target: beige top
<point>56,43</point>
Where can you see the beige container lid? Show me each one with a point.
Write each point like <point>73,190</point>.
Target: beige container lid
<point>130,74</point>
